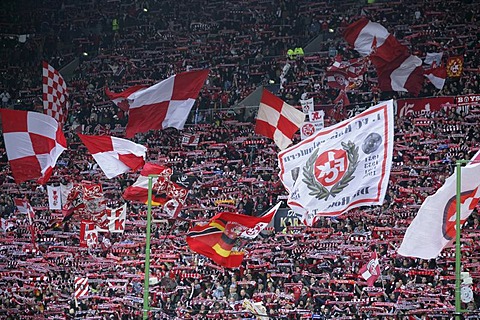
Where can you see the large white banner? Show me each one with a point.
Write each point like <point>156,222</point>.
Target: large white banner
<point>434,225</point>
<point>54,197</point>
<point>341,167</point>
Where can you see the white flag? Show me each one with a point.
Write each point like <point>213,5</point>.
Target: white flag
<point>65,191</point>
<point>341,167</point>
<point>54,197</point>
<point>115,219</point>
<point>307,105</point>
<point>434,225</point>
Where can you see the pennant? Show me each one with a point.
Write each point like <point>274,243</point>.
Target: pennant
<point>114,220</point>
<point>88,234</point>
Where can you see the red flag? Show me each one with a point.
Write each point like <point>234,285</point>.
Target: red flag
<point>120,99</point>
<point>88,234</point>
<point>165,186</point>
<point>277,120</point>
<point>55,94</point>
<point>371,271</point>
<point>397,69</point>
<point>114,155</point>
<point>34,142</point>
<point>455,66</point>
<point>437,76</point>
<point>216,239</point>
<point>165,104</point>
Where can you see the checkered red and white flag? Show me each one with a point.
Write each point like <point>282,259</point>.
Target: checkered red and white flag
<point>55,94</point>
<point>81,287</point>
<point>163,105</point>
<point>34,142</point>
<point>277,120</point>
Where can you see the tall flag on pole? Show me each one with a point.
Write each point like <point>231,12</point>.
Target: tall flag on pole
<point>397,69</point>
<point>55,94</point>
<point>165,104</point>
<point>217,238</point>
<point>434,226</point>
<point>34,142</point>
<point>371,271</point>
<point>115,155</point>
<point>341,167</point>
<point>277,120</point>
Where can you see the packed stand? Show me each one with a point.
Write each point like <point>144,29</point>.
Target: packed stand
<point>297,273</point>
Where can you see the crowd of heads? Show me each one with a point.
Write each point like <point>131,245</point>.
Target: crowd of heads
<point>297,273</point>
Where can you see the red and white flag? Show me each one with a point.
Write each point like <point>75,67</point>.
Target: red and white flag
<point>54,197</point>
<point>190,140</point>
<point>55,94</point>
<point>165,104</point>
<point>277,120</point>
<point>252,233</point>
<point>341,167</point>
<point>114,220</point>
<point>115,155</point>
<point>81,287</point>
<point>437,76</point>
<point>163,188</point>
<point>34,142</point>
<point>371,271</point>
<point>88,234</point>
<point>24,207</point>
<point>434,226</point>
<point>397,69</point>
<point>120,99</point>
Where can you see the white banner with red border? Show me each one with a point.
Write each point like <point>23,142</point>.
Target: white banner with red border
<point>341,167</point>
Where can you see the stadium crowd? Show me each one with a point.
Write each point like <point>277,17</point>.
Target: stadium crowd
<point>297,272</point>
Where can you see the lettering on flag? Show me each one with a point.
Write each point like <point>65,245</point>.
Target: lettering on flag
<point>307,105</point>
<point>341,167</point>
<point>309,128</point>
<point>114,220</point>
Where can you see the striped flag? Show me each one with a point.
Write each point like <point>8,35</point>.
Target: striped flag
<point>81,287</point>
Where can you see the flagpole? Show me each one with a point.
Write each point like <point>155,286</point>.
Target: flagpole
<point>146,282</point>
<point>458,252</point>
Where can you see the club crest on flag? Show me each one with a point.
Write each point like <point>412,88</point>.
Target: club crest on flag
<point>468,200</point>
<point>333,168</point>
<point>340,167</point>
